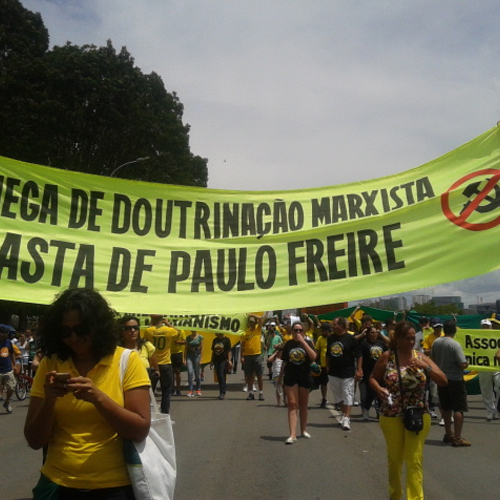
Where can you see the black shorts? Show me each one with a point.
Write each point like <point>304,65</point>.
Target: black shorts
<point>301,381</point>
<point>453,397</point>
<point>176,359</point>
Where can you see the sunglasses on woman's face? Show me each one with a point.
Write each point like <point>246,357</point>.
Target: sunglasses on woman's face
<point>130,328</point>
<point>299,330</point>
<point>66,331</point>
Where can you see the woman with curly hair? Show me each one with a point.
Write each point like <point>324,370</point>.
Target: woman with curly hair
<point>79,408</point>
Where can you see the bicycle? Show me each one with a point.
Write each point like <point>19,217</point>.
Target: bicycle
<point>23,386</point>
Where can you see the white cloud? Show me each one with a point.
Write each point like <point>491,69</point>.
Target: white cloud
<point>290,94</point>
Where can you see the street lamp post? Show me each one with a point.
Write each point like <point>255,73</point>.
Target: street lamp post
<point>112,174</point>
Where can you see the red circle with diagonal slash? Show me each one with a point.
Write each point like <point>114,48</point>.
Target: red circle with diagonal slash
<point>461,220</point>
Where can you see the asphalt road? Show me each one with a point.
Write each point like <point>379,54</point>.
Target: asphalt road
<point>235,449</point>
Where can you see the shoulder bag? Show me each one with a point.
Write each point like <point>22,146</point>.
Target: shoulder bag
<point>413,416</point>
<point>151,463</point>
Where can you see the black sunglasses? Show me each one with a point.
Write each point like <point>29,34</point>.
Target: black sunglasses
<point>80,330</point>
<point>298,330</point>
<point>129,328</point>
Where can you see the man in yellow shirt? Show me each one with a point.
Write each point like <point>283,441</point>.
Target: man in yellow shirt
<point>162,336</point>
<point>321,346</point>
<point>251,355</point>
<point>177,353</point>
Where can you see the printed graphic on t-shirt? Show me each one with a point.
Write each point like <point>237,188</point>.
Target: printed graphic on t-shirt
<point>297,355</point>
<point>375,352</point>
<point>337,349</point>
<point>218,347</point>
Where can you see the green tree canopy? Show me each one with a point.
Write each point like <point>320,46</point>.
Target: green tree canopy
<point>430,308</point>
<point>87,108</point>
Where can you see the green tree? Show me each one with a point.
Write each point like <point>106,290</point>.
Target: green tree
<point>87,108</point>
<point>430,308</point>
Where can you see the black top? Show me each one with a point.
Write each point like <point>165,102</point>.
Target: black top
<point>220,348</point>
<point>297,360</point>
<point>342,353</point>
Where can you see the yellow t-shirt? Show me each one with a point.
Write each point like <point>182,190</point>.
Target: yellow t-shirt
<point>321,344</point>
<point>162,338</point>
<point>84,450</point>
<point>147,350</point>
<point>251,341</point>
<point>429,340</point>
<point>177,348</point>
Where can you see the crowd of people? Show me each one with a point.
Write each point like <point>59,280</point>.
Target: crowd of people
<point>78,349</point>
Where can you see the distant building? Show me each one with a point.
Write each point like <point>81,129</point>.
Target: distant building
<point>394,304</point>
<point>485,307</point>
<point>421,299</point>
<point>447,300</point>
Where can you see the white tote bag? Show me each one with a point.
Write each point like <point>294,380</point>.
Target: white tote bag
<point>151,463</point>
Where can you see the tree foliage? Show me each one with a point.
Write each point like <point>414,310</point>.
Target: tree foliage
<point>87,108</point>
<point>430,308</point>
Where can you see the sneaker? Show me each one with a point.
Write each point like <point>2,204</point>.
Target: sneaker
<point>441,422</point>
<point>347,424</point>
<point>291,440</point>
<point>222,396</point>
<point>492,416</point>
<point>7,407</point>
<point>254,389</point>
<point>190,394</point>
<point>366,414</point>
<point>250,396</point>
<point>356,403</point>
<point>433,414</point>
<point>245,389</point>
<point>323,403</point>
<point>341,423</point>
<point>261,397</point>
<point>448,439</point>
<point>306,435</point>
<point>458,442</point>
<point>198,393</point>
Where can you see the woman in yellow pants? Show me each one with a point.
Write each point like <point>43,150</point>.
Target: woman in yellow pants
<point>403,446</point>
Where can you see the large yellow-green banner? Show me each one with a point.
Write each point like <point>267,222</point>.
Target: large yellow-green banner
<point>480,347</point>
<point>171,249</point>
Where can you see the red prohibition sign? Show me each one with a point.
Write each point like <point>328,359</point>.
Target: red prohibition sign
<point>461,220</point>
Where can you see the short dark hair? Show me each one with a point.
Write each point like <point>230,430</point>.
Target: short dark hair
<point>449,327</point>
<point>341,321</point>
<point>97,317</point>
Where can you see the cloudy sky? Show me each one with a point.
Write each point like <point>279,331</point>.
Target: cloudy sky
<point>286,94</point>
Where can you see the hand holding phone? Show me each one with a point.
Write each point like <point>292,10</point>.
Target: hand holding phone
<point>62,377</point>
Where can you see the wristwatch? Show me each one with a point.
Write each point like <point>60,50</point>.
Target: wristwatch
<point>428,368</point>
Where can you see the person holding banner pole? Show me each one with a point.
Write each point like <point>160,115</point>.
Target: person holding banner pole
<point>251,355</point>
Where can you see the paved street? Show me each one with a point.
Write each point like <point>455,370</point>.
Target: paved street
<point>234,449</point>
